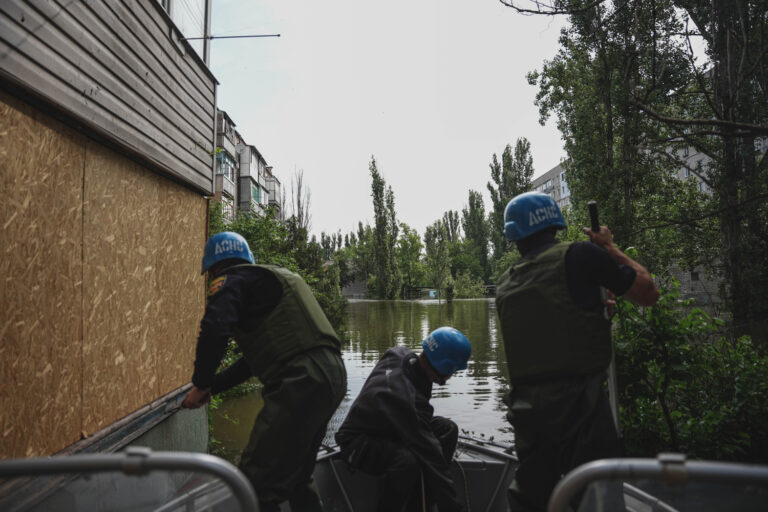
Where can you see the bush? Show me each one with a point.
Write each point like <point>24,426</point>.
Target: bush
<point>684,387</point>
<point>467,288</point>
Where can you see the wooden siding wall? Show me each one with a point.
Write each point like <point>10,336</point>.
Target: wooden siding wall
<point>120,68</point>
<point>101,295</point>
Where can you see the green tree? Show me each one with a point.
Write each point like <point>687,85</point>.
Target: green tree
<point>631,97</point>
<point>727,113</point>
<point>363,251</point>
<point>614,151</point>
<point>380,233</point>
<point>287,245</point>
<point>437,255</point>
<point>476,232</point>
<point>452,226</point>
<point>468,287</point>
<point>509,178</point>
<point>408,254</point>
<point>395,279</point>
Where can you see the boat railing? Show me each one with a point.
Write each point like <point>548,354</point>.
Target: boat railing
<point>136,461</point>
<point>671,470</point>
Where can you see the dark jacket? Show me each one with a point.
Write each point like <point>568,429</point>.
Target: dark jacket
<point>271,314</point>
<point>394,404</point>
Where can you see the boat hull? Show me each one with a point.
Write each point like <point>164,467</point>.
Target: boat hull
<point>482,471</point>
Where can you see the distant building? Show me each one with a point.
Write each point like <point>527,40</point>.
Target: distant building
<point>244,181</point>
<point>226,164</point>
<point>253,195</point>
<point>275,194</point>
<point>553,183</point>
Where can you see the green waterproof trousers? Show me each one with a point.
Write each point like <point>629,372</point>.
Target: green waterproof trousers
<point>299,401</point>
<point>559,425</point>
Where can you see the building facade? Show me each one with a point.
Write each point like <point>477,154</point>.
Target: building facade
<point>553,183</point>
<point>244,181</point>
<point>107,129</point>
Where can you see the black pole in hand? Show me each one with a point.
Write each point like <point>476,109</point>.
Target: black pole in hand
<point>613,389</point>
<point>593,216</point>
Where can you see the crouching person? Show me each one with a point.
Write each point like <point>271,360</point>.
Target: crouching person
<point>391,432</point>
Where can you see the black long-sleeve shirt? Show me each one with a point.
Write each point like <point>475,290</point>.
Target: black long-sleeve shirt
<point>587,268</point>
<point>394,404</point>
<point>239,296</point>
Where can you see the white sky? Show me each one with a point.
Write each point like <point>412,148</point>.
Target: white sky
<point>430,88</point>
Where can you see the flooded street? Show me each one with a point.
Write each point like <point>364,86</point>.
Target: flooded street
<point>472,398</point>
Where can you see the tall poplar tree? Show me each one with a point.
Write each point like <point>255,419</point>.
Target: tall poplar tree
<point>395,279</point>
<point>381,233</point>
<point>509,178</point>
<point>476,231</point>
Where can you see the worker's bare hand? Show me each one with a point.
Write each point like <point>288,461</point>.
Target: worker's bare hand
<point>603,238</point>
<point>196,398</point>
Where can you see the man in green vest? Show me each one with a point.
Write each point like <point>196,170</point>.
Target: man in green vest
<point>287,342</point>
<point>558,344</point>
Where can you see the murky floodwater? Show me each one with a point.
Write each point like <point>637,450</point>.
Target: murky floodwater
<point>472,398</point>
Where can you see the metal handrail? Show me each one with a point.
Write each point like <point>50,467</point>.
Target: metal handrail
<point>669,468</point>
<point>137,460</point>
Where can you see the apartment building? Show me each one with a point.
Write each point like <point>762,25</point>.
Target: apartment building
<point>244,181</point>
<point>553,183</point>
<point>274,192</point>
<point>253,194</point>
<point>226,164</point>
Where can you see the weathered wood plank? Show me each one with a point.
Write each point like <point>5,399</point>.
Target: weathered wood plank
<point>160,57</point>
<point>160,22</point>
<point>137,90</point>
<point>100,83</point>
<point>141,74</point>
<point>156,42</point>
<point>18,68</point>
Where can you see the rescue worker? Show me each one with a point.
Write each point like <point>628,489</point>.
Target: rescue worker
<point>288,343</point>
<point>558,344</point>
<point>390,430</point>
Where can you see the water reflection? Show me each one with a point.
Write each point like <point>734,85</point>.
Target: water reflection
<point>472,398</point>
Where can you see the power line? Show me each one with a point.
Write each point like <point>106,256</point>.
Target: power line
<point>231,37</point>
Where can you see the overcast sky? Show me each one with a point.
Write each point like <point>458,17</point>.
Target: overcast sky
<point>431,88</point>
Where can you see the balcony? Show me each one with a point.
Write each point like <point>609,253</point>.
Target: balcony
<point>225,185</point>
<point>224,143</point>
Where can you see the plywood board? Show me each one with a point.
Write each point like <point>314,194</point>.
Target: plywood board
<point>41,175</point>
<point>120,275</point>
<point>143,293</point>
<point>183,215</point>
<point>101,297</point>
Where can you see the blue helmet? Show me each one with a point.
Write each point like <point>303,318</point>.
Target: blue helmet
<point>447,350</point>
<point>223,246</point>
<point>530,213</point>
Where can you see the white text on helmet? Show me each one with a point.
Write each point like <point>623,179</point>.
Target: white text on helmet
<point>431,343</point>
<point>542,214</point>
<point>226,246</point>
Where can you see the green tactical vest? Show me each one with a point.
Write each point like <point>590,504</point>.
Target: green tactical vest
<point>297,324</point>
<point>546,334</point>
